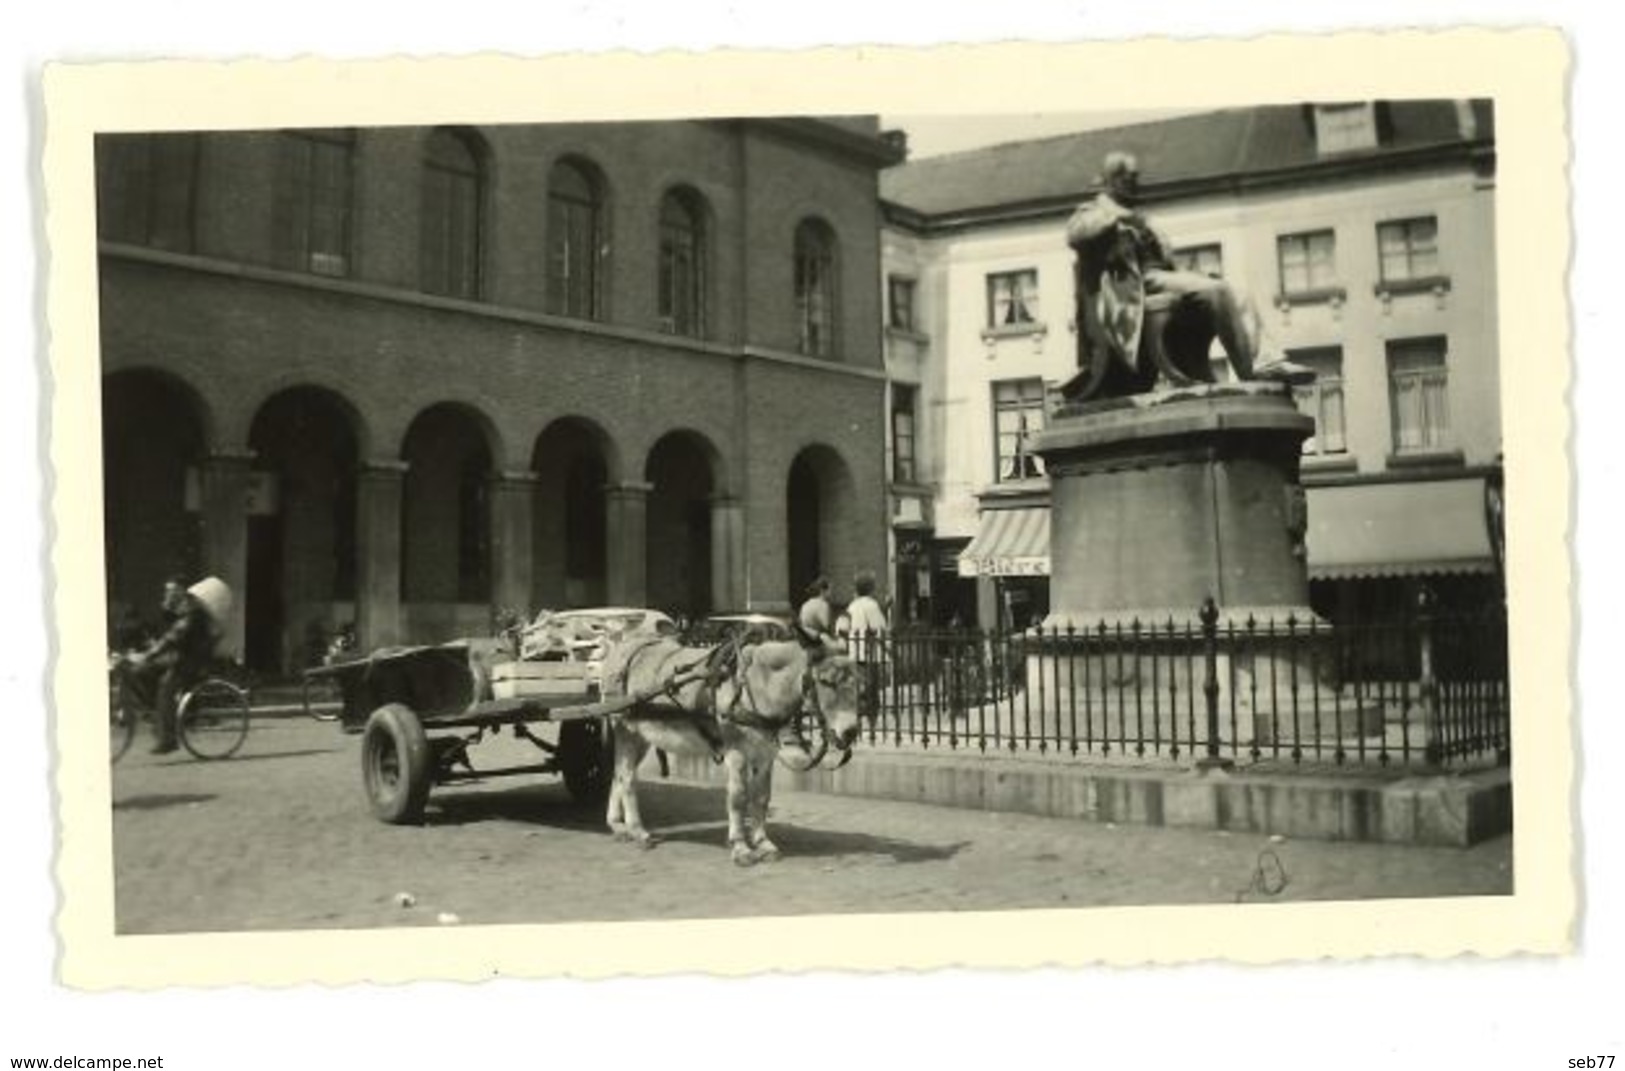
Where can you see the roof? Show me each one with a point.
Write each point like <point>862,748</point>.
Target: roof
<point>1209,146</point>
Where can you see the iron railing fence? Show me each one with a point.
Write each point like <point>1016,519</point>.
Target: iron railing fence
<point>1248,691</point>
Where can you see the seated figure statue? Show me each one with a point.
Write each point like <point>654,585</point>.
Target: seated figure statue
<point>1140,319</point>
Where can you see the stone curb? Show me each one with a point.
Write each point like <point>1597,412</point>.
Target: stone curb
<point>1436,810</point>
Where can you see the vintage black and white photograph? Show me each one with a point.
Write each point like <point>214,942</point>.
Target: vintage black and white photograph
<point>733,516</point>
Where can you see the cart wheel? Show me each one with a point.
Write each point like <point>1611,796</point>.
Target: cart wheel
<point>213,719</point>
<point>587,759</point>
<point>395,764</point>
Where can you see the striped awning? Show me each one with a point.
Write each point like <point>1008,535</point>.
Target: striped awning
<point>1399,529</point>
<point>1010,542</point>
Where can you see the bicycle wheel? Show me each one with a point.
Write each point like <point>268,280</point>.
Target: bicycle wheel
<point>121,724</point>
<point>323,697</point>
<point>213,719</point>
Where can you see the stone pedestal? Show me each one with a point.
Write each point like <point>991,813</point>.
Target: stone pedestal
<point>1161,501</point>
<point>1158,503</point>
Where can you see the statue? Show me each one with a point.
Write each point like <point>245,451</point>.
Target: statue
<point>1140,320</point>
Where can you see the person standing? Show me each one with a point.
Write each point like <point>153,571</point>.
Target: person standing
<point>817,618</point>
<point>868,639</point>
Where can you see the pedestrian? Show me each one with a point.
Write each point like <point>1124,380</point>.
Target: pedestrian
<point>868,642</point>
<point>817,618</point>
<point>180,656</point>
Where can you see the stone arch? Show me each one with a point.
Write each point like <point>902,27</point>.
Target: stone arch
<point>683,471</point>
<point>156,431</point>
<point>575,462</point>
<point>820,510</point>
<point>451,451</point>
<point>302,563</point>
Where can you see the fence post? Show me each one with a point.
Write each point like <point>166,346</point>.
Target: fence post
<point>1428,687</point>
<point>1210,688</point>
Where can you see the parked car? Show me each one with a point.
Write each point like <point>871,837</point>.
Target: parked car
<point>748,626</point>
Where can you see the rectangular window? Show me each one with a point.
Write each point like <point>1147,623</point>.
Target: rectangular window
<point>1409,249</point>
<point>1201,259</point>
<point>1308,262</point>
<point>573,234</point>
<point>900,304</point>
<point>450,228</point>
<point>314,201</point>
<point>147,189</point>
<point>902,432</point>
<point>1323,399</point>
<point>1018,412</point>
<point>1418,391</point>
<point>1012,298</point>
<point>680,277</point>
<point>815,296</point>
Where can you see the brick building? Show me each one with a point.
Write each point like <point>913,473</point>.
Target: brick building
<point>1364,233</point>
<point>402,376</point>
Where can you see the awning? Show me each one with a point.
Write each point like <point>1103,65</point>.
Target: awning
<point>1010,542</point>
<point>1398,529</point>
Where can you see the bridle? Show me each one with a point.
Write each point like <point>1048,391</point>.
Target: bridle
<point>808,719</point>
<point>795,727</point>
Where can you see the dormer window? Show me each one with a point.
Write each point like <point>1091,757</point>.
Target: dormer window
<point>1345,127</point>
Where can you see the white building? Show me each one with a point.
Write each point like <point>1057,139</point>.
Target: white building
<point>1363,232</point>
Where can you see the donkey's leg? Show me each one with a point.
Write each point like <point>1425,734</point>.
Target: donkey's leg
<point>625,821</point>
<point>738,806</point>
<point>761,795</point>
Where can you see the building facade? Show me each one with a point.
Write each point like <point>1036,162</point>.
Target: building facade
<point>401,377</point>
<point>1364,235</point>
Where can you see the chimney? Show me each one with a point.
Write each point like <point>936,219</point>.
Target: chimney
<point>1466,121</point>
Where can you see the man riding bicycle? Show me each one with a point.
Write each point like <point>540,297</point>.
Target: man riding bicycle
<point>180,656</point>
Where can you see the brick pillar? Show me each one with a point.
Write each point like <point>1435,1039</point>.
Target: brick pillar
<point>378,554</point>
<point>628,539</point>
<point>727,553</point>
<point>224,502</point>
<point>512,509</point>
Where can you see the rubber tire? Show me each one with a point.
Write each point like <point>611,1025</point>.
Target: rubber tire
<point>395,767</point>
<point>226,701</point>
<point>587,760</point>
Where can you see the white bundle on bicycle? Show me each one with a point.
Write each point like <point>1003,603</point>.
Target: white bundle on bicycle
<point>214,595</point>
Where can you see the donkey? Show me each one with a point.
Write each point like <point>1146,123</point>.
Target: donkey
<point>737,704</point>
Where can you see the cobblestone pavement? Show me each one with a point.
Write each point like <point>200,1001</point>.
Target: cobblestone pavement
<point>280,838</point>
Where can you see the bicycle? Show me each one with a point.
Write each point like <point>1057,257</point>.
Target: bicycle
<point>211,717</point>
<point>321,693</point>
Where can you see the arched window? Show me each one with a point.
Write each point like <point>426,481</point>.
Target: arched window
<point>315,202</point>
<point>147,189</point>
<point>575,224</point>
<point>815,288</point>
<point>681,283</point>
<point>450,249</point>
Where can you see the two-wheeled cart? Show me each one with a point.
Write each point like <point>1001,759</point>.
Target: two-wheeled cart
<point>419,711</point>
